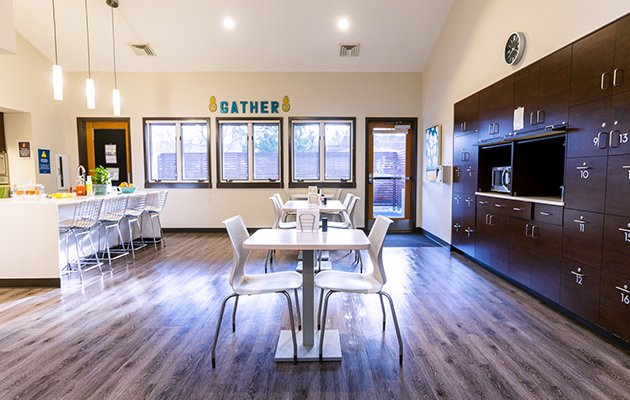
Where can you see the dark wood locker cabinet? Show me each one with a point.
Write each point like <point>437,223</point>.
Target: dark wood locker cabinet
<point>616,258</point>
<point>492,232</point>
<point>466,114</point>
<point>465,162</point>
<point>496,104</point>
<point>542,88</point>
<point>618,185</point>
<point>590,124</point>
<point>463,229</point>
<point>614,305</point>
<point>457,220</point>
<point>621,84</point>
<point>585,183</point>
<point>579,291</point>
<point>519,251</point>
<point>619,134</point>
<point>582,237</point>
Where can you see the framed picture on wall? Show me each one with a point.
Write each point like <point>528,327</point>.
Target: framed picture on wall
<point>433,152</point>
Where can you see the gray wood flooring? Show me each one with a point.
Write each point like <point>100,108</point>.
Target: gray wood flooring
<point>144,330</point>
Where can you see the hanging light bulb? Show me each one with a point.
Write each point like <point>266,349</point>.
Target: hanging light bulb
<point>57,72</point>
<point>90,90</point>
<point>115,93</point>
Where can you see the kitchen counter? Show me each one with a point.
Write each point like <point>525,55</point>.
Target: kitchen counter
<point>554,201</point>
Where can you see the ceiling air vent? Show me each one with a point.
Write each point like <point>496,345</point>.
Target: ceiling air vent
<point>349,50</point>
<point>142,49</point>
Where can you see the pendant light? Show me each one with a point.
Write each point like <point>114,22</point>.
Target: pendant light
<point>90,90</point>
<point>57,73</point>
<point>115,93</point>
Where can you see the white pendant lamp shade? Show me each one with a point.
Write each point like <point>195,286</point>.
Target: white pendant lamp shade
<point>116,102</point>
<point>57,74</point>
<point>90,93</point>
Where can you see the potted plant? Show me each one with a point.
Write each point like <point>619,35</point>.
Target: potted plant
<point>100,180</point>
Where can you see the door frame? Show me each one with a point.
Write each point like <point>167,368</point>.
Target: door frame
<point>82,139</point>
<point>413,123</point>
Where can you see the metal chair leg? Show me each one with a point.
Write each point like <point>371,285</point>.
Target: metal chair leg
<point>76,245</point>
<point>153,232</point>
<point>400,345</point>
<point>98,262</point>
<point>133,250</point>
<point>297,306</point>
<point>216,333</point>
<point>286,294</point>
<point>162,237</point>
<point>234,315</point>
<point>321,335</point>
<point>319,309</point>
<point>122,241</point>
<point>380,296</point>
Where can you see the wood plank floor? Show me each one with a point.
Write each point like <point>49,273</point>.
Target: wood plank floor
<point>144,331</point>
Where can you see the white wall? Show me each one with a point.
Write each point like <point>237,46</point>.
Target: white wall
<point>30,111</point>
<point>7,28</point>
<point>468,57</point>
<point>357,95</point>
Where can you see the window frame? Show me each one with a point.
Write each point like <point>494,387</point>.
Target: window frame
<point>322,181</point>
<point>147,156</point>
<point>250,183</point>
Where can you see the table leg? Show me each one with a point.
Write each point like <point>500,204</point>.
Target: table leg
<point>308,298</point>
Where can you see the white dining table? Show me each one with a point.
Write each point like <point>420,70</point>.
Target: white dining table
<point>308,242</point>
<point>331,206</point>
<point>304,196</point>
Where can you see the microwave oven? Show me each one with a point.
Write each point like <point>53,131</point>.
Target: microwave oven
<point>501,179</point>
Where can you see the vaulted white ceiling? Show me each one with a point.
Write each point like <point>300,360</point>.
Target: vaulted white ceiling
<point>270,35</point>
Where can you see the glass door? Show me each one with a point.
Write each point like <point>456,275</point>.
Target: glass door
<point>390,183</point>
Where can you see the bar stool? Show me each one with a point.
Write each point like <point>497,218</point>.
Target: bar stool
<point>154,206</point>
<point>84,219</point>
<point>135,208</point>
<point>112,212</point>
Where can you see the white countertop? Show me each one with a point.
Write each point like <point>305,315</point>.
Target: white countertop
<point>292,239</point>
<point>60,202</point>
<point>553,201</point>
<point>331,206</point>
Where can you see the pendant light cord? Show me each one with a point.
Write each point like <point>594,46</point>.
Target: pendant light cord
<point>55,30</point>
<point>87,30</point>
<point>114,51</point>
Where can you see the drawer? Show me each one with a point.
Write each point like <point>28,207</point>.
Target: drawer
<point>579,290</point>
<point>614,305</point>
<point>521,209</point>
<point>491,205</point>
<point>548,214</point>
<point>582,235</point>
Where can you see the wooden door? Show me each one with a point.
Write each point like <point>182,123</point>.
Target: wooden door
<point>106,143</point>
<point>520,251</point>
<point>457,228</point>
<point>618,185</point>
<point>496,109</point>
<point>391,152</point>
<point>591,66</point>
<point>466,114</point>
<point>616,259</point>
<point>554,88</point>
<point>526,93</point>
<point>619,139</point>
<point>545,249</point>
<point>468,218</point>
<point>622,56</point>
<point>585,183</point>
<point>590,124</point>
<point>614,304</point>
<point>582,237</point>
<point>579,291</point>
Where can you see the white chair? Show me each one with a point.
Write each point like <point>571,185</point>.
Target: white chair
<point>135,208</point>
<point>154,206</point>
<point>85,219</point>
<point>337,195</point>
<point>112,212</point>
<point>347,216</point>
<point>278,223</point>
<point>244,284</point>
<point>366,283</point>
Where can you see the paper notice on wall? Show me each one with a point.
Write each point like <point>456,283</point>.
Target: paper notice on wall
<point>114,173</point>
<point>110,154</point>
<point>519,114</point>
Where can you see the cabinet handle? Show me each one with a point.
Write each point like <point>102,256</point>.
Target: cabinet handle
<point>527,230</point>
<point>469,231</point>
<point>578,274</point>
<point>546,214</point>
<point>482,202</point>
<point>490,219</point>
<point>540,116</point>
<point>531,118</point>
<point>465,124</point>
<point>457,226</point>
<point>467,156</point>
<point>581,221</point>
<point>534,232</point>
<point>517,209</point>
<point>611,135</point>
<point>625,166</point>
<point>600,141</point>
<point>499,205</point>
<point>602,83</point>
<point>496,128</point>
<point>491,128</point>
<point>487,215</point>
<point>616,73</point>
<point>468,201</point>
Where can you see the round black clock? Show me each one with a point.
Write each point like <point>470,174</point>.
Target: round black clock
<point>514,48</point>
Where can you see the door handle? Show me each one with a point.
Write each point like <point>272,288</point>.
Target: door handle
<point>534,227</point>
<point>526,230</point>
<point>540,116</point>
<point>611,135</point>
<point>618,72</point>
<point>602,84</point>
<point>370,178</point>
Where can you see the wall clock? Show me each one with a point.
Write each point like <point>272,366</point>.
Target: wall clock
<point>514,48</point>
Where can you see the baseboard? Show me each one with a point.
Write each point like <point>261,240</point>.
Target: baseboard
<point>432,237</point>
<point>37,282</point>
<point>195,230</point>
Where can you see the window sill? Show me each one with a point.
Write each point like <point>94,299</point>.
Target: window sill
<point>180,185</point>
<point>249,185</point>
<point>320,184</point>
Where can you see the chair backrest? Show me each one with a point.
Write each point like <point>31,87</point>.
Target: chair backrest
<point>377,238</point>
<point>313,199</point>
<point>113,208</point>
<point>351,209</point>
<point>286,192</point>
<point>135,204</point>
<point>156,201</point>
<point>238,234</point>
<point>277,207</point>
<point>280,201</point>
<point>307,219</point>
<point>346,201</point>
<point>86,213</point>
<point>312,189</point>
<point>338,194</point>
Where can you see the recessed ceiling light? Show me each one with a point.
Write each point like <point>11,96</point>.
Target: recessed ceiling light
<point>343,24</point>
<point>229,23</point>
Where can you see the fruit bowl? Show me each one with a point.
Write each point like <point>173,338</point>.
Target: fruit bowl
<point>127,189</point>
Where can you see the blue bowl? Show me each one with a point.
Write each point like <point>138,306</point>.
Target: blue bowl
<point>127,189</point>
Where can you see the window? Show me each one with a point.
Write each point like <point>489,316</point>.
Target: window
<point>322,152</point>
<point>176,152</point>
<point>249,152</point>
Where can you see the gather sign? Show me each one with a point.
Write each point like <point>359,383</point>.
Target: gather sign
<point>249,106</point>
